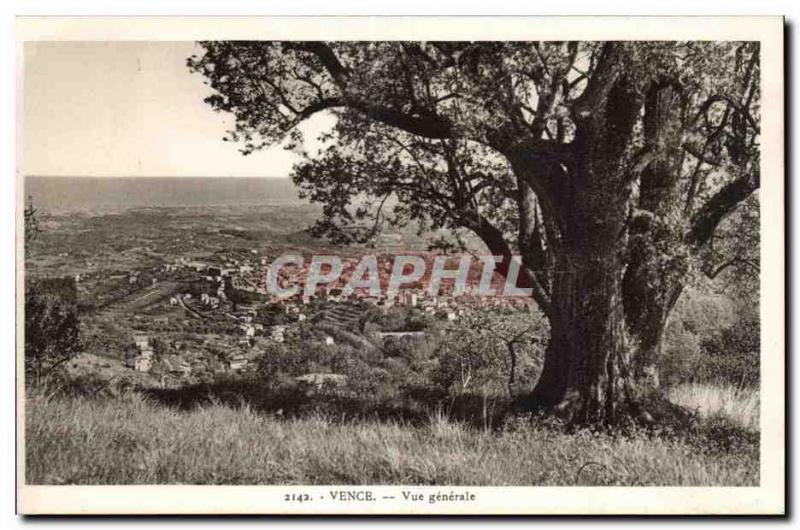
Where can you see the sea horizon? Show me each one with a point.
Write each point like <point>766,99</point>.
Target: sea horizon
<point>63,194</point>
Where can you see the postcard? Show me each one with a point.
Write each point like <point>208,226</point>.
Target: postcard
<point>399,265</point>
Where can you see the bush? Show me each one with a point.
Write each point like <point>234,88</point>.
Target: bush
<point>52,334</point>
<point>732,355</point>
<point>711,346</point>
<point>721,434</point>
<point>492,353</point>
<point>682,354</point>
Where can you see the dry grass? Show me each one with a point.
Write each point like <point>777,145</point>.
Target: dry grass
<point>129,440</point>
<point>741,405</point>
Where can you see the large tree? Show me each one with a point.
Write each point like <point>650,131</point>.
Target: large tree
<point>607,166</point>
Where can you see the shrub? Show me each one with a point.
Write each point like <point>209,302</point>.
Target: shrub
<point>732,355</point>
<point>711,346</point>
<point>280,360</point>
<point>721,434</point>
<point>491,352</point>
<point>51,325</point>
<point>681,356</point>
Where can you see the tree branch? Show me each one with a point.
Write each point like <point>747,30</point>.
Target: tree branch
<point>603,78</point>
<point>708,217</point>
<point>425,126</point>
<point>714,272</point>
<point>326,56</point>
<point>429,126</point>
<point>498,246</point>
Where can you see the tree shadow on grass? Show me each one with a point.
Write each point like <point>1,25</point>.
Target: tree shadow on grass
<point>411,406</point>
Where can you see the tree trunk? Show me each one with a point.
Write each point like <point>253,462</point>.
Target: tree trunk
<point>512,369</point>
<point>587,375</point>
<point>600,366</point>
<point>656,257</point>
<point>648,302</point>
<point>613,287</point>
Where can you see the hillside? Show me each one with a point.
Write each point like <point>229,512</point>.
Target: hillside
<point>130,440</point>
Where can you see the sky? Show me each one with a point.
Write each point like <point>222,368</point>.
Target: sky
<point>122,109</point>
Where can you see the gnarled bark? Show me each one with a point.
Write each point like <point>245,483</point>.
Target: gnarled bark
<point>609,302</point>
<point>586,375</point>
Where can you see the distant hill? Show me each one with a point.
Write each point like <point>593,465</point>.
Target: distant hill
<point>67,194</point>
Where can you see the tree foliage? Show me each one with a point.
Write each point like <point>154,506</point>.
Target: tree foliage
<point>486,136</point>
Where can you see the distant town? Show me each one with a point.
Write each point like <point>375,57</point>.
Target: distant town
<point>235,288</point>
<point>156,306</point>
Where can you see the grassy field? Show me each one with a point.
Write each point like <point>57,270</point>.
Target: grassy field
<point>741,405</point>
<point>131,440</point>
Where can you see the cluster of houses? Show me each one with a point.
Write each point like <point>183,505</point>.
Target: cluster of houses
<point>278,333</point>
<point>245,274</point>
<point>239,273</point>
<point>248,274</point>
<point>135,277</point>
<point>451,307</point>
<point>446,305</point>
<point>142,358</point>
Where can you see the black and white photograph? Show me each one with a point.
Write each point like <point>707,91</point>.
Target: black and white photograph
<point>401,271</point>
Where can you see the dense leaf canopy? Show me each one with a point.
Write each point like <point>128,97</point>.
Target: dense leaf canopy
<point>491,137</point>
